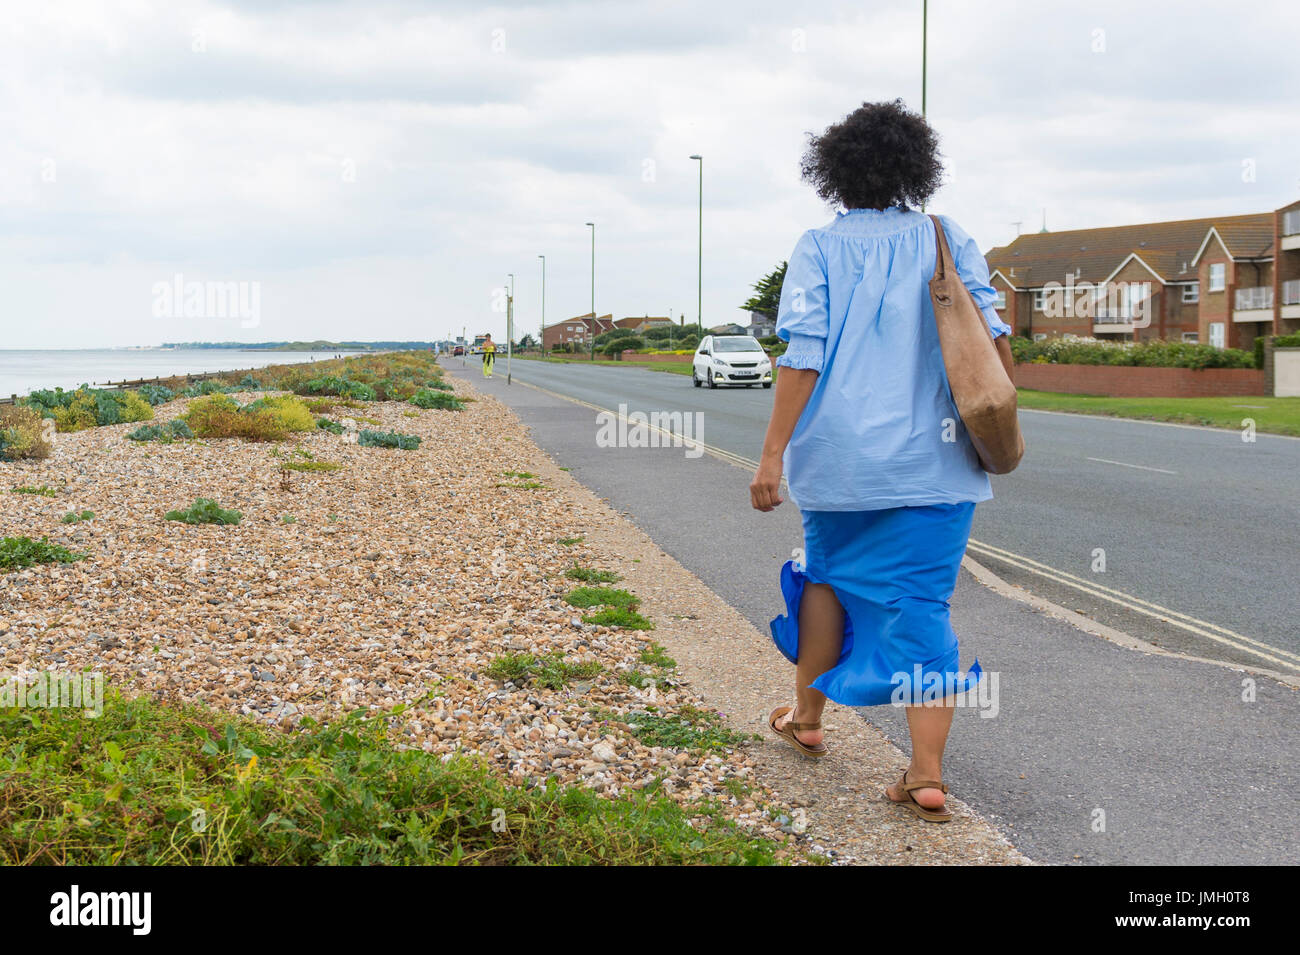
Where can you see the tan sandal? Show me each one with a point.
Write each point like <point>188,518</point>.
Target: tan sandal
<point>789,729</point>
<point>929,815</point>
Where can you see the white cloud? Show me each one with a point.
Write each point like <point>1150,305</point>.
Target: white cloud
<point>380,167</point>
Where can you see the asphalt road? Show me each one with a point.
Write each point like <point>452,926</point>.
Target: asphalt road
<point>1097,754</point>
<point>1190,520</point>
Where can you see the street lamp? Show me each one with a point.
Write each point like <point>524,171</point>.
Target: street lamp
<point>510,323</point>
<point>541,342</point>
<point>591,333</point>
<point>699,290</point>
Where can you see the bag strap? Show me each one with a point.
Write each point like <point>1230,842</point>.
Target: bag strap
<point>942,255</point>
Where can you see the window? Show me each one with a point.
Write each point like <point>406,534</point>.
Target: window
<point>1001,301</point>
<point>1216,334</point>
<point>1040,336</point>
<point>1191,337</point>
<point>1218,277</point>
<point>1192,293</point>
<point>1040,300</point>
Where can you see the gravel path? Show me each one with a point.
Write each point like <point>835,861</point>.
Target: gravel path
<point>400,578</point>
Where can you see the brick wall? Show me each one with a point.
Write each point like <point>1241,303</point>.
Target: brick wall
<point>1131,382</point>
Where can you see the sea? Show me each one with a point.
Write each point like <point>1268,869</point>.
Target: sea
<point>24,371</point>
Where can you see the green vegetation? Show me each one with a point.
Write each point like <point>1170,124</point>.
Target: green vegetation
<point>22,434</point>
<point>76,517</point>
<point>19,552</point>
<point>312,466</point>
<point>656,656</point>
<point>569,541</point>
<point>388,439</point>
<point>205,511</point>
<point>174,430</point>
<point>287,411</point>
<point>151,784</point>
<point>690,729</point>
<point>156,394</point>
<point>42,491</point>
<point>602,597</point>
<point>333,427</point>
<point>87,407</point>
<point>441,400</point>
<point>589,575</point>
<point>1152,354</point>
<point>551,671</point>
<point>1275,415</point>
<point>766,299</point>
<point>619,617</point>
<point>682,367</point>
<point>220,416</point>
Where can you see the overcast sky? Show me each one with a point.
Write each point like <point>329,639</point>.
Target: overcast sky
<point>378,167</point>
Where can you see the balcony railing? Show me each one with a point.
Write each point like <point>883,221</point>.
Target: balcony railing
<point>1291,222</point>
<point>1249,299</point>
<point>1291,292</point>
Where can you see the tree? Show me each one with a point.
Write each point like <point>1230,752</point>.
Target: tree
<point>614,348</point>
<point>767,298</point>
<point>527,342</point>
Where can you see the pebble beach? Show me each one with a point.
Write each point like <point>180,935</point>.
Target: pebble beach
<point>400,578</point>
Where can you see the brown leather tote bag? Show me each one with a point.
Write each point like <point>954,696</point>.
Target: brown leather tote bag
<point>984,395</point>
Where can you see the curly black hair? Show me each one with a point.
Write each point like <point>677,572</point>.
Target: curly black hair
<point>880,155</point>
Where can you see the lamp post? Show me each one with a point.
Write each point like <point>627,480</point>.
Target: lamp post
<point>510,323</point>
<point>541,341</point>
<point>699,289</point>
<point>591,337</point>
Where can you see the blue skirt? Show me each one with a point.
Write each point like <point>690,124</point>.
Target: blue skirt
<point>894,571</point>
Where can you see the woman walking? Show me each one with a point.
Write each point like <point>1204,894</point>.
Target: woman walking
<point>864,427</point>
<point>489,355</point>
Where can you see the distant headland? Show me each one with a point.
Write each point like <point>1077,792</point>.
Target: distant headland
<point>304,346</point>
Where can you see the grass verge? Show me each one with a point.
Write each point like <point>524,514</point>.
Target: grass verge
<point>1272,415</point>
<point>151,784</point>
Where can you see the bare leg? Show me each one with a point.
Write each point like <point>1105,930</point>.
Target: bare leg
<point>929,726</point>
<point>821,638</point>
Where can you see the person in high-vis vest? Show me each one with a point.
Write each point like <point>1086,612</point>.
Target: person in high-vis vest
<point>489,355</point>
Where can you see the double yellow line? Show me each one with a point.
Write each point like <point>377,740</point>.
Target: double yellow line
<point>1201,628</point>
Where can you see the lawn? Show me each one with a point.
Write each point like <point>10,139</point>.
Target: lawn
<point>672,367</point>
<point>1274,415</point>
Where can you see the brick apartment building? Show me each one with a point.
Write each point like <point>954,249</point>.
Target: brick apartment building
<point>579,331</point>
<point>1223,280</point>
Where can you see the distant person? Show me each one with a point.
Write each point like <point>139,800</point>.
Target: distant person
<point>489,355</point>
<point>878,462</point>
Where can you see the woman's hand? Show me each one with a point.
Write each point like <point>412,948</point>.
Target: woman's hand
<point>765,489</point>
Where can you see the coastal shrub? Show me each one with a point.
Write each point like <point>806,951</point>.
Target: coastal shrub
<point>590,575</point>
<point>439,386</point>
<point>174,430</point>
<point>210,386</point>
<point>332,385</point>
<point>333,427</point>
<point>19,552</point>
<point>89,407</point>
<point>288,411</point>
<point>156,394</point>
<point>205,510</point>
<point>387,439</point>
<point>76,517</point>
<point>129,787</point>
<point>429,398</point>
<point>22,434</point>
<point>250,383</point>
<point>1152,354</point>
<point>219,416</point>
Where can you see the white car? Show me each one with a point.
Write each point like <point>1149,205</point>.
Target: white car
<point>731,360</point>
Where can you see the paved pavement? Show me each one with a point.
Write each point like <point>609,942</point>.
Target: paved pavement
<point>1184,770</point>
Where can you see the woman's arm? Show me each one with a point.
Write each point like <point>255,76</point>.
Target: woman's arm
<point>793,387</point>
